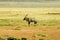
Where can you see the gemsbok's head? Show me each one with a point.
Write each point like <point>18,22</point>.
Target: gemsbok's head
<point>25,17</point>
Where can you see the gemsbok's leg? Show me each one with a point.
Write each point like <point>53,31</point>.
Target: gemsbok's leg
<point>28,23</point>
<point>35,23</point>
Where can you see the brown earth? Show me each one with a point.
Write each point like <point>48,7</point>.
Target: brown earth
<point>31,33</point>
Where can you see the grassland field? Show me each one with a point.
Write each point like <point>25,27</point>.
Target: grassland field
<point>12,24</point>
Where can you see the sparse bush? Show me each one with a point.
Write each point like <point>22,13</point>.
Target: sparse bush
<point>18,39</point>
<point>11,38</point>
<point>41,39</point>
<point>23,38</point>
<point>43,35</point>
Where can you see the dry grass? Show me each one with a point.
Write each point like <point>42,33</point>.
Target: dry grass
<point>12,24</point>
<point>50,33</point>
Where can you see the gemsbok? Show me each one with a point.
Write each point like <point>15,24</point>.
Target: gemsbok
<point>29,20</point>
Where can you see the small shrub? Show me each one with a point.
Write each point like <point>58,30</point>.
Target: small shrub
<point>44,24</point>
<point>34,35</point>
<point>18,39</point>
<point>39,34</point>
<point>11,38</point>
<point>17,28</point>
<point>41,39</point>
<point>23,38</point>
<point>43,35</point>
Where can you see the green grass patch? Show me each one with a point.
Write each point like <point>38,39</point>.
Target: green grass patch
<point>21,23</point>
<point>17,18</point>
